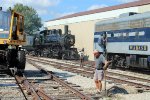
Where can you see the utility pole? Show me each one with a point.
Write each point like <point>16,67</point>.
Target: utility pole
<point>105,53</point>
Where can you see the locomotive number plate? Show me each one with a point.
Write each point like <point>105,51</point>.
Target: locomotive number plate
<point>138,47</point>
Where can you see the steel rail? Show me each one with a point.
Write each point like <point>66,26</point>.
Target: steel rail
<point>12,72</point>
<point>28,87</point>
<point>42,94</point>
<point>78,93</point>
<point>31,89</point>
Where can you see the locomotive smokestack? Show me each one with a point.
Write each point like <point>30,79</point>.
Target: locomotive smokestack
<point>66,29</point>
<point>54,31</point>
<point>60,31</point>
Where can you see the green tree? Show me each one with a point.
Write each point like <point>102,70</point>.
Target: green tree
<point>32,22</point>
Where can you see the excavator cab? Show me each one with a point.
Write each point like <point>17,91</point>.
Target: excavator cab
<point>12,37</point>
<point>11,28</point>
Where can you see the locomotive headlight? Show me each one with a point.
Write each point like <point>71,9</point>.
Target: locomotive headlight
<point>71,40</point>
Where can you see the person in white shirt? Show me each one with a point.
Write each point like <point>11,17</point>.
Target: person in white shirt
<point>81,53</point>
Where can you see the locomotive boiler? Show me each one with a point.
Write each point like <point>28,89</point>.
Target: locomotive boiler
<point>54,44</point>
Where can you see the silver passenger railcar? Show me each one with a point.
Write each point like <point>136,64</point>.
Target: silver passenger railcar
<point>128,40</point>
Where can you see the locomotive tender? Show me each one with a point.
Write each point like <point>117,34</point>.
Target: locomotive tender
<point>128,40</point>
<point>54,44</point>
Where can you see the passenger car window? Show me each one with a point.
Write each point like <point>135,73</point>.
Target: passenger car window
<point>136,34</point>
<point>112,34</point>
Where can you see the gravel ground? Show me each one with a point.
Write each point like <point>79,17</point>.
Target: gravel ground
<point>116,91</point>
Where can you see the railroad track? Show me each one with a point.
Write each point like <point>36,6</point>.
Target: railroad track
<point>40,85</point>
<point>16,84</point>
<point>31,88</point>
<point>77,94</point>
<point>8,89</point>
<point>115,77</point>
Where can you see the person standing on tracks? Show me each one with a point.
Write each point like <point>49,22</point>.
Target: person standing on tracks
<point>81,53</point>
<point>101,64</point>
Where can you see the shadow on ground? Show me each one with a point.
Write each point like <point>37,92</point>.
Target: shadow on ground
<point>116,90</point>
<point>37,73</point>
<point>63,75</point>
<point>110,93</point>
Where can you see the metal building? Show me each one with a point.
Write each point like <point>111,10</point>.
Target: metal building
<point>82,24</point>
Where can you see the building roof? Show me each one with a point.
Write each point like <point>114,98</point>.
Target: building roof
<point>126,5</point>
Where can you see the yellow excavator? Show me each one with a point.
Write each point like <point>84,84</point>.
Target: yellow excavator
<point>12,37</point>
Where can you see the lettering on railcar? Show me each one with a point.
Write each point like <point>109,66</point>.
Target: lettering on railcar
<point>138,47</point>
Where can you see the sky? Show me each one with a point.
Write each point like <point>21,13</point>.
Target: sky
<point>52,9</point>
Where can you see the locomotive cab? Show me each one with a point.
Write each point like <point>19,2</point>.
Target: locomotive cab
<point>12,38</point>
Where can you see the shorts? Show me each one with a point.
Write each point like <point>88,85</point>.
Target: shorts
<point>99,75</point>
<point>81,59</point>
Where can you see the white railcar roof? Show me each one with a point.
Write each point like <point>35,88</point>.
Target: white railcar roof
<point>123,19</point>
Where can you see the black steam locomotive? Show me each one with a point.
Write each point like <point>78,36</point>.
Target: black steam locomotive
<point>54,44</point>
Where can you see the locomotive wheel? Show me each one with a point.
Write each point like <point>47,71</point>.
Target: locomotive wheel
<point>21,60</point>
<point>113,65</point>
<point>63,57</point>
<point>59,55</point>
